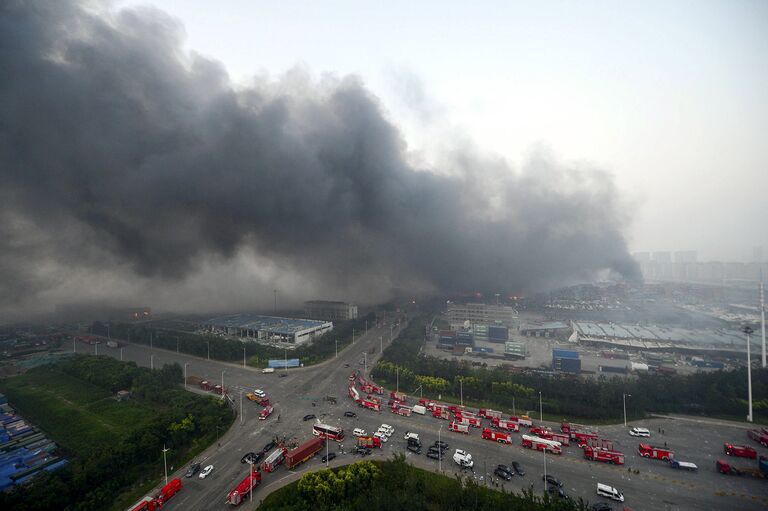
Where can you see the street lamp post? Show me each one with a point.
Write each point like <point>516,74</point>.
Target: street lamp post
<point>209,349</point>
<point>151,345</point>
<point>381,344</point>
<point>96,349</point>
<point>151,361</point>
<point>222,385</point>
<point>748,330</point>
<point>121,354</point>
<point>326,452</point>
<point>513,406</point>
<point>541,409</point>
<point>624,399</point>
<point>243,356</point>
<point>545,468</point>
<point>185,375</point>
<point>165,464</point>
<point>397,372</point>
<point>461,392</point>
<point>337,348</point>
<point>241,406</point>
<point>440,449</point>
<point>74,345</point>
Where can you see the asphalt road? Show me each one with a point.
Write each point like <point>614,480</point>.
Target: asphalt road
<point>656,486</point>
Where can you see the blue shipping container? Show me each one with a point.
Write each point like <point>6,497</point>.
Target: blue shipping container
<point>281,363</point>
<point>567,365</point>
<point>565,354</point>
<point>498,333</point>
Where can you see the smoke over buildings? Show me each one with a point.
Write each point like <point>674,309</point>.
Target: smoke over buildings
<point>131,168</point>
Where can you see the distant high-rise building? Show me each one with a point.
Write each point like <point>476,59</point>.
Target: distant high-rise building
<point>322,309</point>
<point>662,257</point>
<point>642,257</point>
<point>685,256</point>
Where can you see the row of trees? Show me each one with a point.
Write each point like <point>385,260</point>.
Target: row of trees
<point>183,422</point>
<point>713,393</point>
<point>229,350</point>
<point>400,486</point>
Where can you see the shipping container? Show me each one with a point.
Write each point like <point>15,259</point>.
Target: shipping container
<point>611,369</point>
<point>567,365</point>
<point>560,353</point>
<point>498,333</point>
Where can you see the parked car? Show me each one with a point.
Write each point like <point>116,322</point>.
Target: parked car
<point>389,429</point>
<point>556,491</point>
<point>365,451</point>
<point>639,432</point>
<point>507,468</point>
<point>260,393</point>
<point>435,455</point>
<point>381,435</point>
<point>442,445</point>
<point>518,468</point>
<point>251,457</point>
<point>601,506</point>
<point>328,457</point>
<point>552,480</point>
<point>206,472</point>
<point>358,432</point>
<point>282,375</point>
<point>503,474</point>
<point>346,365</point>
<point>350,414</point>
<point>414,448</point>
<point>309,417</point>
<point>194,468</point>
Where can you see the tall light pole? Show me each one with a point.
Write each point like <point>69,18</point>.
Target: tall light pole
<point>222,385</point>
<point>151,346</point>
<point>177,344</point>
<point>209,349</point>
<point>624,398</point>
<point>243,356</point>
<point>241,407</point>
<point>762,315</point>
<point>397,372</point>
<point>185,375</point>
<point>461,392</point>
<point>365,362</point>
<point>337,348</point>
<point>151,361</point>
<point>381,344</point>
<point>748,330</point>
<point>165,464</point>
<point>541,410</point>
<point>513,406</point>
<point>544,451</point>
<point>121,354</point>
<point>96,349</point>
<point>285,361</point>
<point>440,449</point>
<point>326,452</point>
<point>74,345</point>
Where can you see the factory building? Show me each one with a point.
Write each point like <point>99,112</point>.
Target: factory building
<point>480,314</point>
<point>330,311</point>
<point>268,329</point>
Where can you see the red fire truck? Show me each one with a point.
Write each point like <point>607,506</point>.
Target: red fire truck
<point>266,412</point>
<point>469,421</point>
<point>398,396</point>
<point>441,413</point>
<point>540,444</point>
<point>165,494</point>
<point>272,461</point>
<point>245,486</point>
<point>458,428</point>
<point>405,411</point>
<point>505,424</point>
<point>567,427</point>
<point>371,404</point>
<point>760,437</point>
<point>604,455</point>
<point>742,451</point>
<point>582,438</point>
<point>523,420</point>
<point>490,414</point>
<point>369,441</point>
<point>548,434</point>
<point>657,453</point>
<point>497,436</point>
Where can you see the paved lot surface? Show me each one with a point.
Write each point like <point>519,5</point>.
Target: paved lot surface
<point>655,486</point>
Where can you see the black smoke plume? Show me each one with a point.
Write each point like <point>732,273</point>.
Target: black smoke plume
<point>123,154</point>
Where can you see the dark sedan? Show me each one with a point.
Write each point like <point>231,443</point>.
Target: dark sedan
<point>518,468</point>
<point>503,474</point>
<point>268,447</point>
<point>309,417</point>
<point>194,468</point>
<point>601,506</point>
<point>251,458</point>
<point>350,414</point>
<point>328,457</point>
<point>435,455</point>
<point>552,480</point>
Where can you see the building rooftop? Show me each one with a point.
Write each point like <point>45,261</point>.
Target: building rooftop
<point>284,326</point>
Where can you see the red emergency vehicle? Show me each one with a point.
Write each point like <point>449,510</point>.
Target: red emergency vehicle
<point>604,455</point>
<point>505,424</point>
<point>657,453</point>
<point>742,451</point>
<point>458,428</point>
<point>497,436</point>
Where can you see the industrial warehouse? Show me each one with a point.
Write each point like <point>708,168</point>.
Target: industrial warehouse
<point>268,329</point>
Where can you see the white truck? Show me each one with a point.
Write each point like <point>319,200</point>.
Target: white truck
<point>419,409</point>
<point>463,458</point>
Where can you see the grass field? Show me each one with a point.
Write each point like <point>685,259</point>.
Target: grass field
<point>78,415</point>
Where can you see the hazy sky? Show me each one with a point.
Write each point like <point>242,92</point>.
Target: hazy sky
<point>670,97</point>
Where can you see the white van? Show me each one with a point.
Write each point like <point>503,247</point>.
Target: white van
<point>610,492</point>
<point>358,432</point>
<point>419,409</point>
<point>639,432</point>
<point>268,370</point>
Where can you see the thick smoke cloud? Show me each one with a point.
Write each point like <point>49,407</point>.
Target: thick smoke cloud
<point>121,154</point>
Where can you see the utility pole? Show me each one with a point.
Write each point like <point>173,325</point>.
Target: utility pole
<point>545,468</point>
<point>165,464</point>
<point>748,330</point>
<point>762,315</point>
<point>541,410</point>
<point>513,406</point>
<point>381,345</point>
<point>625,396</point>
<point>353,336</point>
